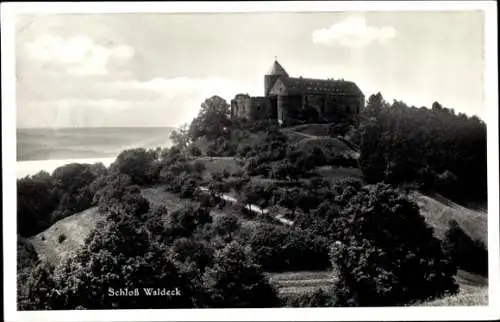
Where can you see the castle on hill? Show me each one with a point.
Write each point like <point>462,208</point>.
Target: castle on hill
<point>292,100</point>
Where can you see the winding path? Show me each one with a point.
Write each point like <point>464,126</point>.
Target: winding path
<point>253,208</point>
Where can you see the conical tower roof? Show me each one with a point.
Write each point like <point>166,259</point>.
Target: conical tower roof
<point>277,69</point>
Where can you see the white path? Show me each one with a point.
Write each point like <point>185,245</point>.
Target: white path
<point>253,208</point>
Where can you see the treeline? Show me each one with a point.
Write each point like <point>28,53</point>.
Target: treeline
<point>44,198</point>
<point>435,148</point>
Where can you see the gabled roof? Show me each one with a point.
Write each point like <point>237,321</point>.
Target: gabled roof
<point>276,70</point>
<point>310,85</point>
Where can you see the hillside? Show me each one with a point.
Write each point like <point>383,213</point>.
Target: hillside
<point>78,226</point>
<point>438,211</point>
<point>75,228</point>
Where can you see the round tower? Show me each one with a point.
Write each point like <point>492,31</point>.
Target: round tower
<point>275,72</point>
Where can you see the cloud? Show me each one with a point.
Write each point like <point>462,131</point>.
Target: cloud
<point>155,102</point>
<point>169,87</point>
<point>352,32</point>
<point>80,55</point>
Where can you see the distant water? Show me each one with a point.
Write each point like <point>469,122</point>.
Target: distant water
<point>46,149</point>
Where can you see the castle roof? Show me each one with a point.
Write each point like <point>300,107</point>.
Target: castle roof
<point>277,70</point>
<point>311,85</point>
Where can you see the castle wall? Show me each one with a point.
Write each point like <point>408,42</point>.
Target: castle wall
<point>289,109</point>
<point>241,106</point>
<point>252,108</point>
<point>262,108</point>
<point>341,106</point>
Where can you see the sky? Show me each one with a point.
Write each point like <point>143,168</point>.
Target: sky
<point>147,69</point>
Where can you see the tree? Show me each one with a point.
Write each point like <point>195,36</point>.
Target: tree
<point>279,248</point>
<point>292,198</point>
<point>226,226</point>
<point>258,195</point>
<point>322,221</point>
<point>43,198</point>
<point>284,170</point>
<point>213,120</point>
<point>236,282</point>
<point>119,255</point>
<point>184,221</point>
<point>36,200</point>
<point>117,190</point>
<point>39,289</point>
<point>468,254</point>
<point>180,137</point>
<point>375,105</point>
<point>434,148</point>
<point>387,254</point>
<point>192,257</point>
<point>138,163</point>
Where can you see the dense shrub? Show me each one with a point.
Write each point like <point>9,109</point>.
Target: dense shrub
<point>139,164</point>
<point>27,261</point>
<point>44,199</point>
<point>120,254</point>
<point>257,194</point>
<point>38,290</point>
<point>195,151</point>
<point>116,189</point>
<point>61,238</point>
<point>184,221</point>
<point>386,253</point>
<point>319,298</point>
<point>36,200</point>
<point>468,254</point>
<point>199,166</point>
<point>234,281</point>
<point>278,248</point>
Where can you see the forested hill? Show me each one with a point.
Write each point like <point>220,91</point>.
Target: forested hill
<point>220,252</point>
<point>435,149</point>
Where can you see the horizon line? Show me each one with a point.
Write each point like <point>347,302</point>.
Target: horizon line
<point>92,127</point>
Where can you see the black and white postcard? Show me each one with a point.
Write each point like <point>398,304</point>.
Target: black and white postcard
<point>250,161</point>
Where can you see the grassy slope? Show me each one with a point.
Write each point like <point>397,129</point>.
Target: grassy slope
<point>438,211</point>
<point>75,228</point>
<point>219,164</point>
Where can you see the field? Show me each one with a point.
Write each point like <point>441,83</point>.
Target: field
<point>219,164</point>
<point>473,288</point>
<point>302,282</point>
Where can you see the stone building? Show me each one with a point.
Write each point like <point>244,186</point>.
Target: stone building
<point>292,100</point>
